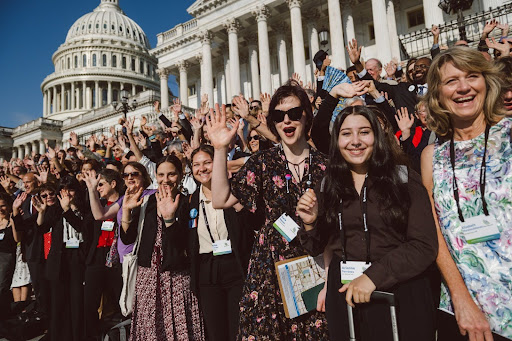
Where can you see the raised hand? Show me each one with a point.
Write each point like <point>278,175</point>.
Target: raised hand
<point>187,150</point>
<point>132,198</point>
<point>5,182</point>
<point>196,123</point>
<point>18,202</point>
<point>435,30</point>
<point>241,107</point>
<point>504,29</point>
<point>43,174</point>
<point>354,51</point>
<point>404,121</point>
<point>296,78</point>
<point>489,27</point>
<point>347,90</point>
<point>91,180</point>
<point>176,108</point>
<point>64,199</point>
<point>390,69</point>
<point>51,154</point>
<point>39,203</point>
<point>166,206</point>
<point>307,207</point>
<point>220,135</point>
<point>265,102</point>
<point>325,64</point>
<point>143,121</point>
<point>129,125</point>
<point>156,106</point>
<point>503,48</point>
<point>262,118</point>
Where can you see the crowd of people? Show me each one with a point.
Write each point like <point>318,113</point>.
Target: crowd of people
<point>408,190</point>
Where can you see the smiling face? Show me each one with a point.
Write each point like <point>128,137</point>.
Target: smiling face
<point>5,209</point>
<point>132,178</point>
<point>202,165</point>
<point>105,189</point>
<point>49,196</point>
<point>355,142</point>
<point>168,176</point>
<point>421,114</point>
<point>462,93</point>
<point>290,131</point>
<point>254,141</point>
<point>420,70</point>
<point>373,68</point>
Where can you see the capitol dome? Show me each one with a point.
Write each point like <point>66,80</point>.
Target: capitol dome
<point>104,53</point>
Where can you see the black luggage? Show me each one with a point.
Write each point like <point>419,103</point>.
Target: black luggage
<point>119,332</point>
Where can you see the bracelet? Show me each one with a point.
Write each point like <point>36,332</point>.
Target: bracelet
<point>126,221</point>
<point>257,125</point>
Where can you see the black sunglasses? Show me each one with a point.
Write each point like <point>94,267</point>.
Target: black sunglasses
<point>252,107</point>
<point>133,174</point>
<point>255,137</point>
<point>51,194</point>
<point>294,114</point>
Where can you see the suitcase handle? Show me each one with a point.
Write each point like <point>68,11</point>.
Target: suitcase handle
<point>383,296</point>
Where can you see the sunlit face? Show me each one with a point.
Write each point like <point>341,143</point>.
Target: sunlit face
<point>132,178</point>
<point>86,167</point>
<point>420,70</point>
<point>168,176</point>
<point>5,209</point>
<point>105,189</point>
<point>254,141</point>
<point>202,165</point>
<point>462,93</point>
<point>30,183</point>
<point>49,197</point>
<point>422,115</point>
<point>372,67</point>
<point>117,152</point>
<point>291,131</point>
<point>356,141</point>
<point>16,170</point>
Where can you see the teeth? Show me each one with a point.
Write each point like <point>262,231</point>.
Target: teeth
<point>464,99</point>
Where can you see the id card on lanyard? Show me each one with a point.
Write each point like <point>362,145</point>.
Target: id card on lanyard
<point>482,227</point>
<point>220,247</point>
<point>350,270</point>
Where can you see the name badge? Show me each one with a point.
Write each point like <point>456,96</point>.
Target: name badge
<point>72,244</point>
<point>107,226</point>
<point>480,229</point>
<point>2,235</point>
<point>221,247</point>
<point>287,227</point>
<point>351,270</point>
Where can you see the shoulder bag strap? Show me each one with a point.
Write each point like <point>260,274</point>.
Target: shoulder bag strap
<point>140,225</point>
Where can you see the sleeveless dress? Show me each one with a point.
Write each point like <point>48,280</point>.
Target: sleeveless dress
<point>486,266</point>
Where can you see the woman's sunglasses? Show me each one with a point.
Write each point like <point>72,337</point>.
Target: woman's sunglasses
<point>255,137</point>
<point>51,194</point>
<point>133,175</point>
<point>294,114</point>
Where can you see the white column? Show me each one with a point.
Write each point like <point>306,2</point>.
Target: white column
<point>84,95</point>
<point>62,98</point>
<point>109,92</point>
<point>433,14</point>
<point>393,35</point>
<point>54,99</point>
<point>348,21</point>
<point>227,74</point>
<point>42,148</point>
<point>380,22</point>
<point>28,149</point>
<point>21,152</point>
<point>281,50</point>
<point>88,96</point>
<point>73,96</point>
<point>336,34</point>
<point>45,103</point>
<point>100,96</point>
<point>182,67</point>
<point>164,88</point>
<point>207,68</point>
<point>96,94</point>
<point>253,61</point>
<point>314,44</point>
<point>14,152</point>
<point>299,57</point>
<point>234,58</point>
<point>134,90</point>
<point>261,14</point>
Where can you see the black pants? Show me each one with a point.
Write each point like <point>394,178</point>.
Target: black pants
<point>7,264</point>
<point>220,290</point>
<point>415,312</point>
<point>100,280</point>
<point>67,293</point>
<point>40,285</point>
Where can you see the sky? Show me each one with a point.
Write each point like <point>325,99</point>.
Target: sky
<point>32,30</point>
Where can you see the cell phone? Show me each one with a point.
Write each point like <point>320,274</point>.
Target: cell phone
<point>165,120</point>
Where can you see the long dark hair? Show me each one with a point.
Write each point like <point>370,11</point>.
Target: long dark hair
<point>387,188</point>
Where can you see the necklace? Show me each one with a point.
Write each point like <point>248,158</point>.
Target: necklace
<point>296,167</point>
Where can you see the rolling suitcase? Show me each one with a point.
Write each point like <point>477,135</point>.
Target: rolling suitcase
<point>376,296</point>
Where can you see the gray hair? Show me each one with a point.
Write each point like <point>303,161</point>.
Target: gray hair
<point>175,144</point>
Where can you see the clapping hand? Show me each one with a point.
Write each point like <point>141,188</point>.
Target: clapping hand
<point>220,135</point>
<point>166,206</point>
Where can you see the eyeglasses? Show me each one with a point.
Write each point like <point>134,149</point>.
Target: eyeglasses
<point>50,194</point>
<point>294,114</point>
<point>252,107</point>
<point>255,137</point>
<point>132,174</point>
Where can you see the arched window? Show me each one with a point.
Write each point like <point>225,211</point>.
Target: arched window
<point>120,28</point>
<point>104,60</point>
<point>94,60</point>
<point>114,61</point>
<point>76,61</point>
<point>123,63</point>
<point>84,60</point>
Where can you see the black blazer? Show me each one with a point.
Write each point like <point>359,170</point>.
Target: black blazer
<point>174,237</point>
<point>241,235</point>
<point>53,219</point>
<point>32,243</point>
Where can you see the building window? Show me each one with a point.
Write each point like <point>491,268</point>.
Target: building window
<point>114,61</point>
<point>69,63</point>
<point>97,25</point>
<point>94,60</point>
<point>371,32</point>
<point>133,64</point>
<point>128,30</point>
<point>123,63</point>
<point>105,26</point>
<point>113,28</point>
<point>141,67</point>
<point>76,61</point>
<point>192,90</point>
<point>84,60</point>
<point>114,95</point>
<point>104,97</point>
<point>104,60</point>
<point>120,28</point>
<point>415,17</point>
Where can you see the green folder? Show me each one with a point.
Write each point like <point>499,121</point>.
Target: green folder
<point>310,296</point>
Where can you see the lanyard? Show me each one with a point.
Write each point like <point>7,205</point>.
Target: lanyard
<point>365,226</point>
<point>288,175</point>
<point>482,176</point>
<point>206,222</point>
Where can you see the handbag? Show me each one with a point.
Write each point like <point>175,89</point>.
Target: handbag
<point>127,298</point>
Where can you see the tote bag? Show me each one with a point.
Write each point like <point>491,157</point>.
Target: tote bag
<point>127,297</point>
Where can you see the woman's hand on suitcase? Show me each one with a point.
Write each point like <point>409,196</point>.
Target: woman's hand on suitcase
<point>360,289</point>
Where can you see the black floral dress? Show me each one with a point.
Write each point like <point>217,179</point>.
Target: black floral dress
<point>262,181</point>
